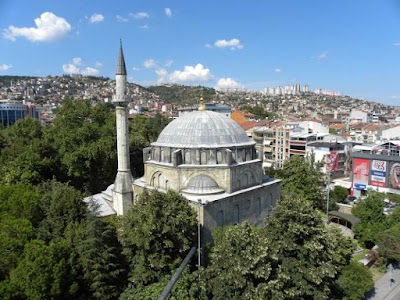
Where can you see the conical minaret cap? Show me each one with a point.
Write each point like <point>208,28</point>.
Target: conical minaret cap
<point>121,68</point>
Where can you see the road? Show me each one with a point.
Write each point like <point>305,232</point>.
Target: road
<point>385,289</point>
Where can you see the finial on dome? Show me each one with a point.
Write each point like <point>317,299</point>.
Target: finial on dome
<point>202,106</point>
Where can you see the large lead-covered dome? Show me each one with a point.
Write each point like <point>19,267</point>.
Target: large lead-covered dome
<point>202,129</point>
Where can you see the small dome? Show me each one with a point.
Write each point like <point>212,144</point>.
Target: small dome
<point>202,185</point>
<point>203,129</point>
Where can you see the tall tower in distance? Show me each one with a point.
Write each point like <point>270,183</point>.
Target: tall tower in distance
<point>123,192</point>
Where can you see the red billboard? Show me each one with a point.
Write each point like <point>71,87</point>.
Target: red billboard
<point>333,161</point>
<point>360,173</point>
<point>394,176</point>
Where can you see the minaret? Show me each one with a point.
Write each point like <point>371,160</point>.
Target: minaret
<point>122,193</point>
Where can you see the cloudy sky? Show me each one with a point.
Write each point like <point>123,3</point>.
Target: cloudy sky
<point>348,46</point>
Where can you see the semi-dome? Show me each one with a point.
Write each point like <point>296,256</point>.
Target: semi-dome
<point>202,129</point>
<point>202,185</point>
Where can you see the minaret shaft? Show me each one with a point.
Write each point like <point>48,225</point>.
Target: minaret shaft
<point>123,192</point>
<point>122,138</point>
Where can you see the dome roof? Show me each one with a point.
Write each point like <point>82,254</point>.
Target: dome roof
<point>202,129</point>
<point>202,184</point>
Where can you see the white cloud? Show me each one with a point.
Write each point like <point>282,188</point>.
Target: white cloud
<point>135,69</point>
<point>168,12</point>
<point>161,73</point>
<point>48,28</point>
<point>228,83</point>
<point>71,69</point>
<point>77,61</point>
<point>98,64</point>
<point>90,71</point>
<point>323,55</point>
<point>5,67</point>
<point>396,44</point>
<point>277,70</point>
<point>208,46</point>
<point>121,19</point>
<point>189,74</point>
<point>168,63</point>
<point>74,68</point>
<point>96,18</point>
<point>232,44</point>
<point>149,63</point>
<point>140,15</point>
<point>145,26</point>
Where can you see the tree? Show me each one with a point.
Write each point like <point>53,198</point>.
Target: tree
<point>21,201</point>
<point>302,177</point>
<point>156,234</point>
<point>389,243</point>
<point>97,256</point>
<point>26,156</point>
<point>185,288</point>
<point>310,254</point>
<point>338,194</point>
<point>43,273</point>
<point>355,281</point>
<point>242,265</point>
<point>14,234</point>
<point>373,221</point>
<point>85,139</point>
<point>61,204</point>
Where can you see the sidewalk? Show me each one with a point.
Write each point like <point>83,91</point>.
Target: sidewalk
<point>384,289</point>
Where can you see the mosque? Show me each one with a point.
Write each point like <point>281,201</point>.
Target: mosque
<point>204,156</point>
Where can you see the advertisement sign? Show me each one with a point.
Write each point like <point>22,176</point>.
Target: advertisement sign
<point>333,161</point>
<point>360,173</point>
<point>394,176</point>
<point>378,173</point>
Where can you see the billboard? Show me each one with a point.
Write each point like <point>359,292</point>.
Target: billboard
<point>378,173</point>
<point>333,161</point>
<point>394,176</point>
<point>360,173</point>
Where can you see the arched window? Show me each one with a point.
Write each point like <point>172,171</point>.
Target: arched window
<point>245,180</point>
<point>161,181</point>
<point>166,184</point>
<point>258,207</point>
<point>220,218</point>
<point>236,214</point>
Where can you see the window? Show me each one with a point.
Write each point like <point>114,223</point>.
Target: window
<point>220,218</point>
<point>236,214</point>
<point>258,207</point>
<point>203,158</point>
<point>219,157</point>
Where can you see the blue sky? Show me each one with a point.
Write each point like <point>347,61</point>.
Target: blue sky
<point>348,46</point>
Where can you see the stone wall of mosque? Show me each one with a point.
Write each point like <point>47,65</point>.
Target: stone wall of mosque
<point>253,206</point>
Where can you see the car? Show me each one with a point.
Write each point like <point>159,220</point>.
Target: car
<point>389,208</point>
<point>350,199</point>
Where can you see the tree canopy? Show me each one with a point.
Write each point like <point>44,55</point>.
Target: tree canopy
<point>157,244</point>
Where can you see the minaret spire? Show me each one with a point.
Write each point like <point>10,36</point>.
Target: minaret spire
<point>121,68</point>
<point>123,191</point>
